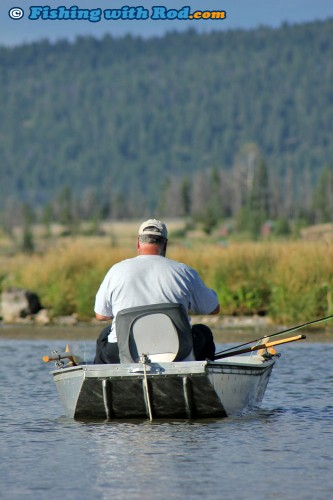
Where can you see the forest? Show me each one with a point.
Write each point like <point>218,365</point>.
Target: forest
<point>223,125</point>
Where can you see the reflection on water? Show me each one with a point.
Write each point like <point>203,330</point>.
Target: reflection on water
<point>283,450</point>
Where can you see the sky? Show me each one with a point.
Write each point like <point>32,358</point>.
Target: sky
<point>245,14</point>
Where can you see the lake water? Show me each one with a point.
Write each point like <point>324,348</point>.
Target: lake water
<point>284,450</point>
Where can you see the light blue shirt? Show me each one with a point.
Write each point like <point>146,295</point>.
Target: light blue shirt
<point>152,279</point>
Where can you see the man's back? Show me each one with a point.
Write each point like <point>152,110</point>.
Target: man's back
<point>152,279</point>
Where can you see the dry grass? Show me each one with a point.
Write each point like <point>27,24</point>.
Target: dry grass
<point>289,281</point>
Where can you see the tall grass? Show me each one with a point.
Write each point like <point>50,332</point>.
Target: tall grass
<point>288,281</point>
<point>66,278</point>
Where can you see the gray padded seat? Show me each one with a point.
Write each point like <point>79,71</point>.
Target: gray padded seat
<point>162,331</point>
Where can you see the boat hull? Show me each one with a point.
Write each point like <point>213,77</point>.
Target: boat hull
<point>192,390</point>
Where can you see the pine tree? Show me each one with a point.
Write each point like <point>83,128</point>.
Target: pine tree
<point>186,195</point>
<point>28,245</point>
<point>323,196</point>
<point>47,218</point>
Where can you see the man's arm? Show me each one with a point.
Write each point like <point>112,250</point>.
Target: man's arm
<point>216,310</point>
<point>103,310</point>
<point>103,318</point>
<point>203,298</point>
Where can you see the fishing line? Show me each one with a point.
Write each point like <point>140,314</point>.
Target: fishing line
<point>293,329</point>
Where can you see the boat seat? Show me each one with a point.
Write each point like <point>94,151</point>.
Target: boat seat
<point>162,331</point>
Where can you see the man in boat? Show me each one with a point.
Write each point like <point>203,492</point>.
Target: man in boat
<point>152,278</point>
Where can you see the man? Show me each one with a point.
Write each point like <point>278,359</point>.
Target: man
<point>151,278</point>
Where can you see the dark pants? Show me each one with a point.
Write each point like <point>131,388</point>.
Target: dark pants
<point>203,346</point>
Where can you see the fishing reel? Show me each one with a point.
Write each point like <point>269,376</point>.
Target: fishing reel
<point>57,358</point>
<point>268,354</point>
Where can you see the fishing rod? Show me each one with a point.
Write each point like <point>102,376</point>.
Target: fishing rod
<point>260,346</point>
<point>293,329</point>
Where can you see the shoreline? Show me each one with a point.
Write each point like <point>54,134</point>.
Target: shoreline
<point>224,330</point>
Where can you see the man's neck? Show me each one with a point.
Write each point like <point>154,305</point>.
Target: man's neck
<point>150,249</point>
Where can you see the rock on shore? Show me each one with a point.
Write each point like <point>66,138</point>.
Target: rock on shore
<point>24,307</point>
<point>16,304</point>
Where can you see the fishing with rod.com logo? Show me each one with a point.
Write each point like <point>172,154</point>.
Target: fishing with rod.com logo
<point>126,12</point>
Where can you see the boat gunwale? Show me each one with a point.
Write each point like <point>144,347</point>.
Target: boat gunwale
<point>166,369</point>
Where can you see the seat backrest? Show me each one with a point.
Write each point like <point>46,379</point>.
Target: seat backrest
<point>162,331</point>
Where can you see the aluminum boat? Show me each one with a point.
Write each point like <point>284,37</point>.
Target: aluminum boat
<point>188,389</point>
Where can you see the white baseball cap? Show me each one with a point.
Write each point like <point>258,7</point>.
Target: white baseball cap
<point>153,227</point>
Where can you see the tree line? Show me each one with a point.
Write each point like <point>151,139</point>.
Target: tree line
<point>175,125</point>
<point>247,200</point>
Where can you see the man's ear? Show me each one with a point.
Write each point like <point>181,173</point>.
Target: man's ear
<point>137,244</point>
